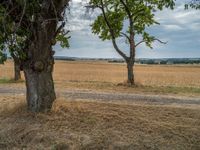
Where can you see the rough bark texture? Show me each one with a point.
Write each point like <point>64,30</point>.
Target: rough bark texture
<point>40,91</point>
<point>38,67</point>
<point>130,73</point>
<point>38,75</point>
<point>17,69</point>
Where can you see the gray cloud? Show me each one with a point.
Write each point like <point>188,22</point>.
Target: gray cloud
<point>181,28</point>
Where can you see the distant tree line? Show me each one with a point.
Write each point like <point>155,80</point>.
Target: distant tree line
<point>162,61</point>
<point>169,61</point>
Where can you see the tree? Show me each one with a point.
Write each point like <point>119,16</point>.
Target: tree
<point>193,4</point>
<point>14,50</point>
<point>17,69</point>
<point>29,28</point>
<point>3,57</point>
<point>109,25</point>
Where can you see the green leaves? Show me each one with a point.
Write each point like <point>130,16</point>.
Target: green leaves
<point>19,20</point>
<point>195,4</point>
<point>64,41</point>
<point>139,14</point>
<point>3,57</point>
<point>116,22</point>
<point>148,39</point>
<point>12,36</point>
<point>16,52</point>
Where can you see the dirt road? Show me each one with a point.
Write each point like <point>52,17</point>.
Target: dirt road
<point>86,119</point>
<point>75,94</point>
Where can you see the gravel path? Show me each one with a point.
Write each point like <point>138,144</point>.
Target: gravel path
<point>110,97</point>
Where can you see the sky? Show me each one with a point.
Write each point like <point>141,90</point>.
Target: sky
<point>179,28</point>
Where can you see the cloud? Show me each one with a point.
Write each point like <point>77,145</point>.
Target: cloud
<point>79,18</point>
<point>181,28</point>
<point>179,18</point>
<point>172,27</point>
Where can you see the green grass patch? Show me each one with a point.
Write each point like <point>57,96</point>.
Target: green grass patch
<point>158,89</point>
<point>138,88</point>
<point>168,89</point>
<point>7,80</point>
<point>172,89</point>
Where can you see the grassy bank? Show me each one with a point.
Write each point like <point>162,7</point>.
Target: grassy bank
<point>7,81</point>
<point>94,125</point>
<point>112,87</point>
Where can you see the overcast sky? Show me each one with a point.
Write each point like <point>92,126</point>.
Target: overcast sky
<point>179,27</point>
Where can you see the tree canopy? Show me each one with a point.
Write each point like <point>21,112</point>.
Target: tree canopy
<point>141,12</point>
<point>17,22</point>
<point>193,4</point>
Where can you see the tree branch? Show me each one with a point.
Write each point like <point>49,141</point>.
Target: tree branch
<point>112,33</point>
<point>139,43</point>
<point>155,39</point>
<point>23,13</point>
<point>127,9</point>
<point>125,35</point>
<point>132,33</point>
<point>59,29</point>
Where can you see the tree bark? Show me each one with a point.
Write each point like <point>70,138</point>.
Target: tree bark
<point>38,70</point>
<point>130,66</point>
<point>38,67</point>
<point>38,74</point>
<point>40,90</point>
<point>17,69</point>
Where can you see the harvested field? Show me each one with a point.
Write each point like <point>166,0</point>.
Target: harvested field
<point>153,75</point>
<point>75,124</point>
<point>103,76</point>
<point>95,110</point>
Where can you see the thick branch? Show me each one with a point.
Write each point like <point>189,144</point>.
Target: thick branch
<point>112,33</point>
<point>23,12</point>
<point>132,34</point>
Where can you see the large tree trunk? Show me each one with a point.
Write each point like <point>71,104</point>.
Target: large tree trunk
<point>38,68</point>
<point>40,90</point>
<point>17,69</point>
<point>39,81</point>
<point>131,80</point>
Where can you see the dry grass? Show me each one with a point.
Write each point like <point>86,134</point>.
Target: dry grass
<point>149,75</point>
<point>75,124</point>
<point>103,76</point>
<point>92,125</point>
<point>116,73</point>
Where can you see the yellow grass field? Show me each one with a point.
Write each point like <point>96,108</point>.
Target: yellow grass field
<point>103,76</point>
<point>84,71</point>
<point>89,124</point>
